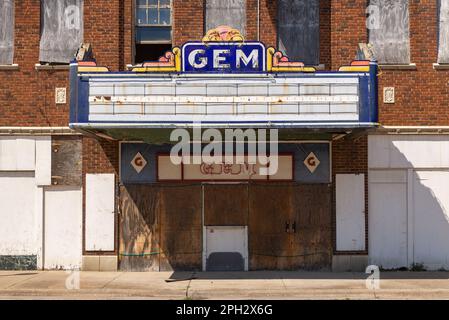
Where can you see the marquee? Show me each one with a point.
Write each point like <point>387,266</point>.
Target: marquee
<point>223,81</point>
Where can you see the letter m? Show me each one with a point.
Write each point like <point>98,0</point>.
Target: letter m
<point>253,58</point>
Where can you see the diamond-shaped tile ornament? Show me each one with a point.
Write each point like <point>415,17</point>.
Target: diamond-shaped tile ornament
<point>312,162</point>
<point>139,162</point>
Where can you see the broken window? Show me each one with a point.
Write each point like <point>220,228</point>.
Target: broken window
<point>443,45</point>
<point>6,31</point>
<point>230,13</point>
<point>299,30</point>
<point>153,29</point>
<point>389,33</point>
<point>61,30</point>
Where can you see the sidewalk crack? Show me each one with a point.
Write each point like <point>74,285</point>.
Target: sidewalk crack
<point>113,279</point>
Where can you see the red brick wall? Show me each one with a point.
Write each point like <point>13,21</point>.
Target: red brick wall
<point>188,21</point>
<point>421,96</point>
<point>27,95</point>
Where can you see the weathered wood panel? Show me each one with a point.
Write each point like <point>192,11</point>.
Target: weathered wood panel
<point>443,46</point>
<point>290,227</point>
<point>139,228</point>
<point>226,12</point>
<point>181,227</point>
<point>270,211</point>
<point>6,31</point>
<point>66,161</point>
<point>62,30</point>
<point>390,35</point>
<point>160,228</point>
<point>226,205</point>
<point>312,241</point>
<point>299,30</point>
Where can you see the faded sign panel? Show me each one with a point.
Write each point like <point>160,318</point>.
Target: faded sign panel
<point>299,30</point>
<point>443,50</point>
<point>226,12</point>
<point>390,34</point>
<point>6,31</point>
<point>61,30</point>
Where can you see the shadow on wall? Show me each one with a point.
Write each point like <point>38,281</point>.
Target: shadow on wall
<point>409,203</point>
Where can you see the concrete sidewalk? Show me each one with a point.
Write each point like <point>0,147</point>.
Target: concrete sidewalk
<point>251,285</point>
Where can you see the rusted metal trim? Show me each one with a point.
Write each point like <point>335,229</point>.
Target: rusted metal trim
<point>37,131</point>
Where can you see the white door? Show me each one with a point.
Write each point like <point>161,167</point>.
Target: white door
<point>224,248</point>
<point>388,218</point>
<point>63,228</point>
<point>431,219</point>
<point>350,212</point>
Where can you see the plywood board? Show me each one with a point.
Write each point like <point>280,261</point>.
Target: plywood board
<point>350,212</point>
<point>66,161</point>
<point>226,205</point>
<point>100,212</point>
<point>443,44</point>
<point>391,35</point>
<point>181,227</point>
<point>299,30</point>
<point>229,13</point>
<point>270,210</point>
<point>290,227</point>
<point>62,30</point>
<point>312,240</point>
<point>6,32</point>
<point>139,228</point>
<point>63,228</point>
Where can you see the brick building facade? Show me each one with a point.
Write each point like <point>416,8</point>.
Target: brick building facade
<point>418,119</point>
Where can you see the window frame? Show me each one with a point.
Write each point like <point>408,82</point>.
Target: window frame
<point>278,35</point>
<point>136,26</point>
<point>158,7</point>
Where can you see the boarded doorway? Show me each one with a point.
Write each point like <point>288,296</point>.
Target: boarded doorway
<point>287,226</point>
<point>160,227</point>
<point>290,227</point>
<point>225,236</point>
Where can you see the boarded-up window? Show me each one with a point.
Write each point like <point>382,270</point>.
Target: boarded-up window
<point>61,30</point>
<point>226,12</point>
<point>6,31</point>
<point>390,34</point>
<point>443,52</point>
<point>299,30</point>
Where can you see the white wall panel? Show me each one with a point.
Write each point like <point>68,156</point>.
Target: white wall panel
<point>388,218</point>
<point>43,161</point>
<point>408,151</point>
<point>63,228</point>
<point>17,154</point>
<point>431,219</point>
<point>409,208</point>
<point>350,203</point>
<point>100,218</point>
<point>18,227</point>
